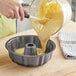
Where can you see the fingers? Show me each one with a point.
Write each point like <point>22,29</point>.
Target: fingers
<point>16,12</point>
<point>12,10</point>
<point>21,12</point>
<point>25,11</point>
<point>10,14</point>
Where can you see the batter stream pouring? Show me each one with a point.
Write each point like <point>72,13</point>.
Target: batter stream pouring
<point>52,14</point>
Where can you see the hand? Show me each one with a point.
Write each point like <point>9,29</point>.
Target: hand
<point>11,9</point>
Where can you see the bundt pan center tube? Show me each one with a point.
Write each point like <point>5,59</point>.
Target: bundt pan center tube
<point>33,59</point>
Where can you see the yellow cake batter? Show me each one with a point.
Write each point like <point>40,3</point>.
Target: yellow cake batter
<point>20,51</point>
